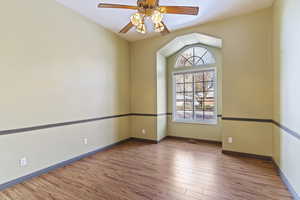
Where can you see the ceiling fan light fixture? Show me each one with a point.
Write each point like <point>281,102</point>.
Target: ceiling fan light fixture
<point>150,10</point>
<point>141,28</point>
<point>136,19</point>
<point>157,17</point>
<point>159,27</point>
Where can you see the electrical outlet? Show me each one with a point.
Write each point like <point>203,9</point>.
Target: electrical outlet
<point>144,131</point>
<point>230,140</point>
<point>23,162</point>
<point>85,141</point>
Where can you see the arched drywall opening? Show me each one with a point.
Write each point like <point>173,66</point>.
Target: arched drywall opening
<point>161,72</point>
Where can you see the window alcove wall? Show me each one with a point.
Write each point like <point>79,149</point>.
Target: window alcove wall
<point>195,128</point>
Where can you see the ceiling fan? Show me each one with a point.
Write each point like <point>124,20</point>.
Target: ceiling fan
<point>150,9</point>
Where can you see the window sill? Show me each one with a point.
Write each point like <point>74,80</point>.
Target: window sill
<point>207,122</point>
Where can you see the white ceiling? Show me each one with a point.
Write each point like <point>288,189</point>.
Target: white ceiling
<point>210,10</point>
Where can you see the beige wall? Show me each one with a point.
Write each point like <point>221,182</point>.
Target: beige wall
<point>56,66</point>
<point>162,127</point>
<point>161,96</point>
<point>162,84</point>
<point>247,75</point>
<point>61,67</point>
<point>149,123</point>
<point>286,90</point>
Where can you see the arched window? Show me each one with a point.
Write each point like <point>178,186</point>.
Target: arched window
<point>195,56</point>
<point>194,88</point>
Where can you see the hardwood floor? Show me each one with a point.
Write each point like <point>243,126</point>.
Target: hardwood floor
<point>171,170</point>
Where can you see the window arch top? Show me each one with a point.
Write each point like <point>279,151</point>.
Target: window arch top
<point>195,56</point>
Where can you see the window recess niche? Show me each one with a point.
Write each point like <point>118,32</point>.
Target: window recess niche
<point>194,85</point>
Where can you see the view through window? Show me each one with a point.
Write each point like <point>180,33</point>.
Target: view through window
<point>195,96</point>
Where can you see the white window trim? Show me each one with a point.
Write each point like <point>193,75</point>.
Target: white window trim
<point>204,122</point>
<point>192,68</point>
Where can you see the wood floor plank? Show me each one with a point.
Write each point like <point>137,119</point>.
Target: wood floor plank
<point>174,169</point>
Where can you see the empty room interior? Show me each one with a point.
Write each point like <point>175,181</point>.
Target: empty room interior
<point>149,100</point>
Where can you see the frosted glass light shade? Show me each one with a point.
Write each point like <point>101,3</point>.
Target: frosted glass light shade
<point>141,28</point>
<point>157,17</point>
<point>136,19</point>
<point>159,27</point>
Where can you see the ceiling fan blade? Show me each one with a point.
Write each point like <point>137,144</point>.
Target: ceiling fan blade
<point>166,30</point>
<point>183,10</point>
<point>127,28</point>
<point>107,5</point>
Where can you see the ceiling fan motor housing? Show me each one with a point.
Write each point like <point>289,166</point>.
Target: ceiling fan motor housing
<point>145,8</point>
<point>144,5</point>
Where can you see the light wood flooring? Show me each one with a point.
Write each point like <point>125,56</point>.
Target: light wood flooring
<point>174,169</point>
